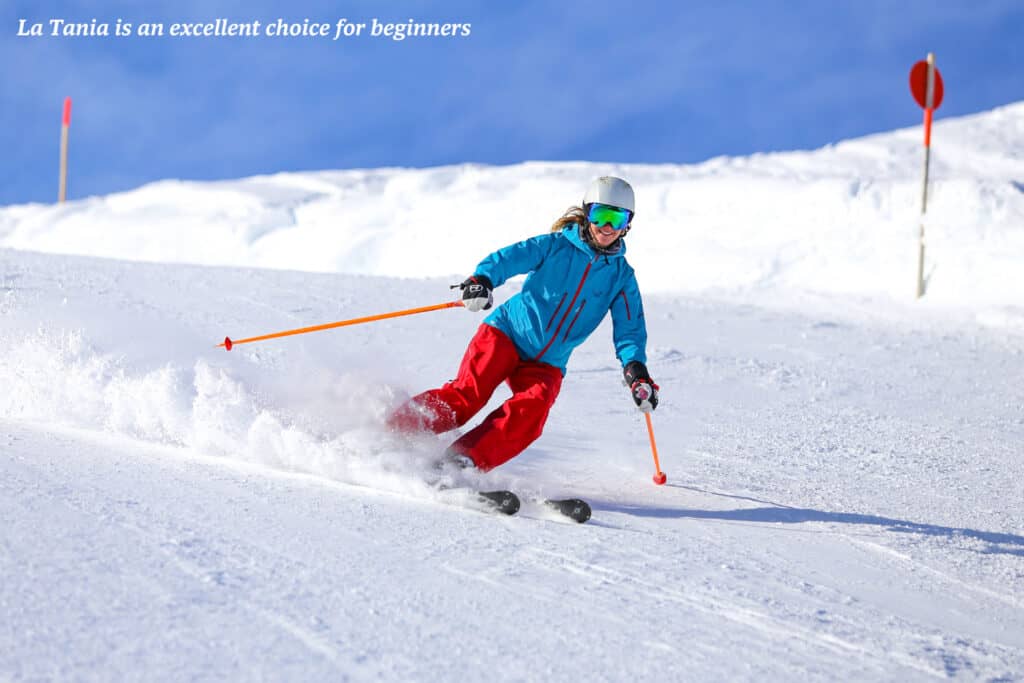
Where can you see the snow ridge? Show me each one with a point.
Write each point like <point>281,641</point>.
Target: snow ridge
<point>839,220</point>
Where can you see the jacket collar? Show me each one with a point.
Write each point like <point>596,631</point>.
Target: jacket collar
<point>572,233</point>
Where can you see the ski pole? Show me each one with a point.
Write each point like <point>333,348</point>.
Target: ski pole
<point>228,342</point>
<point>659,476</point>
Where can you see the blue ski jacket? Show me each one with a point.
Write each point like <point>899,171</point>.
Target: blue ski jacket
<point>569,290</point>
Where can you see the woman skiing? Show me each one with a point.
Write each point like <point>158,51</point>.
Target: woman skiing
<point>577,274</point>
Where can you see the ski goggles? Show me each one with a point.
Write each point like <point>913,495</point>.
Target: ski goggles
<point>617,217</point>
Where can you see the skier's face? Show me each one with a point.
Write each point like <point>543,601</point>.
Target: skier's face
<point>604,236</point>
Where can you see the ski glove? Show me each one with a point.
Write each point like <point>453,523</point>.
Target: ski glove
<point>476,293</point>
<point>643,388</point>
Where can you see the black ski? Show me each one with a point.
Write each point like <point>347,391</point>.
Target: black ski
<point>507,503</point>
<point>504,502</point>
<point>575,509</point>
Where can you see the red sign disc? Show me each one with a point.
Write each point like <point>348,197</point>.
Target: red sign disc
<point>919,85</point>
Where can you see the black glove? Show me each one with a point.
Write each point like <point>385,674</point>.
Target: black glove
<point>476,293</point>
<point>643,388</point>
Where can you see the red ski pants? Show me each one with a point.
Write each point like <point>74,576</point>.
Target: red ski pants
<point>490,359</point>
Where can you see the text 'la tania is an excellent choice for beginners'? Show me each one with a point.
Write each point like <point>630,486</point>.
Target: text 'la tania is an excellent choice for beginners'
<point>222,28</point>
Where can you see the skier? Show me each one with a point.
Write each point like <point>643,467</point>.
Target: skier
<point>577,274</point>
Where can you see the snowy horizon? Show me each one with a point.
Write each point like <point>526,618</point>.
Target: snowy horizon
<point>840,220</point>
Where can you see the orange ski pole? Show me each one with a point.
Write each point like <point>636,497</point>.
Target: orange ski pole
<point>659,476</point>
<point>228,342</point>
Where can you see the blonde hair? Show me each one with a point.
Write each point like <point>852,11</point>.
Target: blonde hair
<point>574,214</point>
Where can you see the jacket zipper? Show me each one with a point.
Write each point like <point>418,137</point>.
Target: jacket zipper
<point>626,301</point>
<point>578,311</point>
<point>568,310</point>
<point>557,309</point>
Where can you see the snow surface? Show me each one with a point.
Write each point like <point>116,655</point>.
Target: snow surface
<point>846,485</point>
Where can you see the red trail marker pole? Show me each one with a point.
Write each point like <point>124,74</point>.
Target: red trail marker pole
<point>65,126</point>
<point>926,87</point>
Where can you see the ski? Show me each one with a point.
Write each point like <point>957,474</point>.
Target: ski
<point>508,503</point>
<point>505,502</point>
<point>575,509</point>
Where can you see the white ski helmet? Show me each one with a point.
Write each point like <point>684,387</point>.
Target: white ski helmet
<point>612,191</point>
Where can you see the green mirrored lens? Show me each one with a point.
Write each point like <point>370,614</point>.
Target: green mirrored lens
<point>601,214</point>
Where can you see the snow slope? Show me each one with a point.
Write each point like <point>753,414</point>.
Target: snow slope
<point>845,476</point>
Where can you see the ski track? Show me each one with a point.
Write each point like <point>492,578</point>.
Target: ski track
<point>912,564</point>
<point>762,614</point>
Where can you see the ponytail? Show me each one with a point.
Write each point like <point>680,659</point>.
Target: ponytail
<point>573,215</point>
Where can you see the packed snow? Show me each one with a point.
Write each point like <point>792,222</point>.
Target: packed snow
<point>845,482</point>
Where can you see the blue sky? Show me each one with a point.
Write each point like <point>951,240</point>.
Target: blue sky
<point>590,80</point>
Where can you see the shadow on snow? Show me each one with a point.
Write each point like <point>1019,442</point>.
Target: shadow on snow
<point>1000,543</point>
